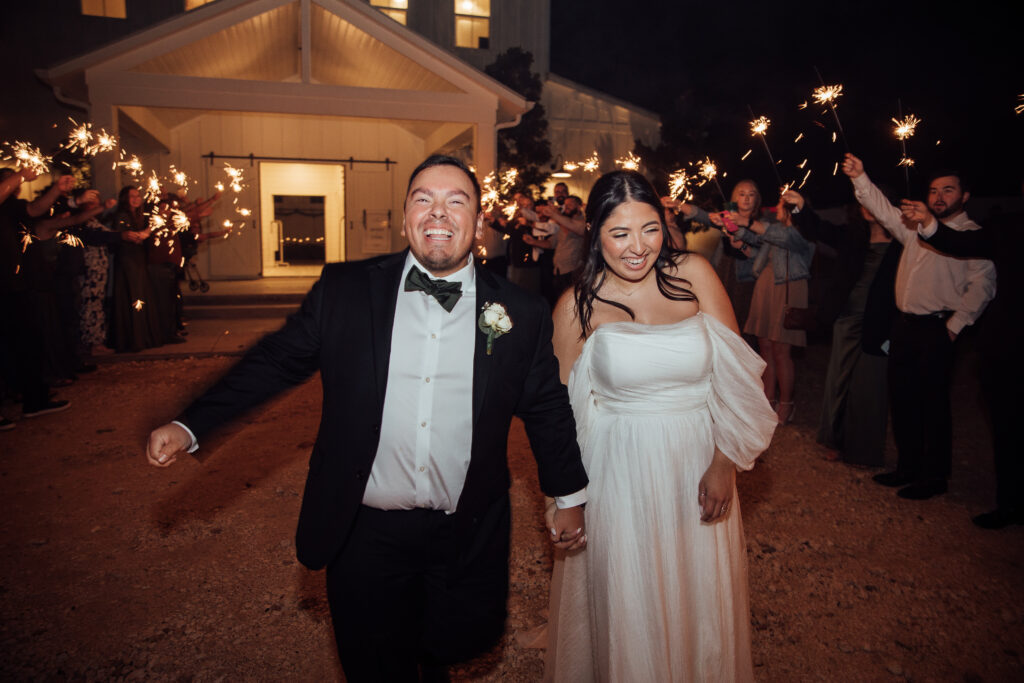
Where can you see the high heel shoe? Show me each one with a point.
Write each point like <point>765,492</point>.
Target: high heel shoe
<point>788,413</point>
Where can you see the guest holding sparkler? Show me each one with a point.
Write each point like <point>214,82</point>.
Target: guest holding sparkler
<point>1000,338</point>
<point>134,324</point>
<point>524,265</point>
<point>730,259</point>
<point>938,297</point>
<point>854,411</point>
<point>21,346</point>
<point>777,243</point>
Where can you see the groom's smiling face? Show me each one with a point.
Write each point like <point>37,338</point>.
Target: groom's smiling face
<point>442,219</point>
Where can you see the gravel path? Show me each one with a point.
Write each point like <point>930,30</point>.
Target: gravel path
<point>113,570</point>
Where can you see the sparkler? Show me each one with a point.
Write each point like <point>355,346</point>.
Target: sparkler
<point>709,172</point>
<point>630,162</point>
<point>179,177</point>
<point>28,157</point>
<point>69,239</point>
<point>152,188</point>
<point>758,127</point>
<point>82,139</point>
<point>133,165</point>
<point>1020,107</point>
<point>905,128</point>
<point>679,185</point>
<point>591,164</point>
<point>26,239</point>
<point>179,220</point>
<point>828,94</point>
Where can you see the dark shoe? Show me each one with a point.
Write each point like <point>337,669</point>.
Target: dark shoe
<point>177,339</point>
<point>47,408</point>
<point>998,518</point>
<point>892,479</point>
<point>923,490</point>
<point>5,424</point>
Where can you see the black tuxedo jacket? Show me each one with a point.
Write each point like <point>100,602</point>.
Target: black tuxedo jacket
<point>343,329</point>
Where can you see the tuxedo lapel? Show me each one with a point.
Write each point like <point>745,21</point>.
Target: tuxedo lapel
<point>486,291</point>
<point>384,284</point>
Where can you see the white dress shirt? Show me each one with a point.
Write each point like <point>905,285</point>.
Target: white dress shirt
<point>927,281</point>
<point>426,433</point>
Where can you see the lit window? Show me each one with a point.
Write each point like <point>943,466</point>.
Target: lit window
<point>473,23</point>
<point>396,9</point>
<point>113,9</point>
<point>192,4</point>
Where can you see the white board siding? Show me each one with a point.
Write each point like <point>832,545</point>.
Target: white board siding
<point>313,137</point>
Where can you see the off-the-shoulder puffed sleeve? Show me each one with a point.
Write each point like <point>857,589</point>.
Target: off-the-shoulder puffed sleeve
<point>743,419</point>
<point>581,399</point>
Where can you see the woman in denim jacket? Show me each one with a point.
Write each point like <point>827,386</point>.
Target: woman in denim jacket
<point>778,243</point>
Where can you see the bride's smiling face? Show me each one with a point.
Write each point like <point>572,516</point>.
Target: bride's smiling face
<point>631,239</point>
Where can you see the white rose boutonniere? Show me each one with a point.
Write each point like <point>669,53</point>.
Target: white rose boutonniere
<point>494,322</point>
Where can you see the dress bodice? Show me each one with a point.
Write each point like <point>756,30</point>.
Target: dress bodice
<point>650,369</point>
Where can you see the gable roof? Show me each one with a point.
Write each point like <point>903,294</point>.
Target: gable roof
<point>320,48</point>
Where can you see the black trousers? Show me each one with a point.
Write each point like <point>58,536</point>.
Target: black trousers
<point>1002,376</point>
<point>920,363</point>
<point>21,350</point>
<point>400,602</point>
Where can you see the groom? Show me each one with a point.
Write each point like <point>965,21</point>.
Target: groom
<point>406,502</point>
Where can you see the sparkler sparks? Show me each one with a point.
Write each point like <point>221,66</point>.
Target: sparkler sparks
<point>828,94</point>
<point>708,169</point>
<point>179,177</point>
<point>26,239</point>
<point>1020,107</point>
<point>133,165</point>
<point>759,126</point>
<point>82,139</point>
<point>152,188</point>
<point>139,303</point>
<point>744,157</point>
<point>180,220</point>
<point>591,164</point>
<point>630,162</point>
<point>906,161</point>
<point>679,185</point>
<point>69,239</point>
<point>28,157</point>
<point>906,126</point>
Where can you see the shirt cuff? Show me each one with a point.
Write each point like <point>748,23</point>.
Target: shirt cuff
<point>927,231</point>
<point>956,324</point>
<point>194,445</point>
<point>572,500</point>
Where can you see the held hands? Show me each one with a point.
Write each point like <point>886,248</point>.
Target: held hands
<point>566,528</point>
<point>716,488</point>
<point>165,443</point>
<point>66,183</point>
<point>852,166</point>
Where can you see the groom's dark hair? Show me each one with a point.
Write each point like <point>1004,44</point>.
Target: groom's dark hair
<point>444,160</point>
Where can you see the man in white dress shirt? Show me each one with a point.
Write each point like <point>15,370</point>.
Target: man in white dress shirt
<point>937,297</point>
<point>406,502</point>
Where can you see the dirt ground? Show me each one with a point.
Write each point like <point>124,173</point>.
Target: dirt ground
<point>114,570</point>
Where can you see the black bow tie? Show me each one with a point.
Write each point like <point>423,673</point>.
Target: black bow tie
<point>446,293</point>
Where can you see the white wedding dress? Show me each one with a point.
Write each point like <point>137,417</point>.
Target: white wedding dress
<point>658,595</point>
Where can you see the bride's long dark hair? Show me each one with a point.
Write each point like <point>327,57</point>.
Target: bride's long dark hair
<point>611,190</point>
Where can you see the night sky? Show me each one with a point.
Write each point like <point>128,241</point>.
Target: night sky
<point>957,67</point>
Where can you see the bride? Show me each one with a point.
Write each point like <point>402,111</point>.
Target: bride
<point>668,403</point>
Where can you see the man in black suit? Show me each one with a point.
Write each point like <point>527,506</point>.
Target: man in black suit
<point>406,502</point>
